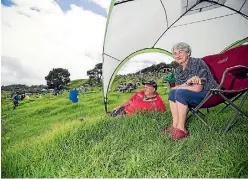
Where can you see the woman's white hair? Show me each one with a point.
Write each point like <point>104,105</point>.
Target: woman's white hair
<point>183,46</point>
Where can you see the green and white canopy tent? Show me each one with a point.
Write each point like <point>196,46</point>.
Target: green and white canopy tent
<point>141,26</point>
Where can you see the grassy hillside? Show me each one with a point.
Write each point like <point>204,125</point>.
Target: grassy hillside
<point>53,137</point>
<point>77,83</point>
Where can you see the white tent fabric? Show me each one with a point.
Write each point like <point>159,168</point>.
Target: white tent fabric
<point>208,26</point>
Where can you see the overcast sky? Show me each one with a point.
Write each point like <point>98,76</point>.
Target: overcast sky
<point>38,35</point>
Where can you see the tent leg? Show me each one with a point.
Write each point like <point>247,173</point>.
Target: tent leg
<point>106,104</point>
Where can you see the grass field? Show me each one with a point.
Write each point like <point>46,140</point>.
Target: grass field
<point>44,137</point>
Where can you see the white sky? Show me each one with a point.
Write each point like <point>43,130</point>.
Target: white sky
<point>142,61</point>
<point>35,42</point>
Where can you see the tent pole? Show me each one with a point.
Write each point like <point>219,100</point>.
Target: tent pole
<point>105,104</point>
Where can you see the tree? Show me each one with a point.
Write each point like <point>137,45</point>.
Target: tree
<point>58,78</point>
<point>95,73</point>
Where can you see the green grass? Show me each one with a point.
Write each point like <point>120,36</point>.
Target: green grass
<point>44,138</point>
<point>77,83</point>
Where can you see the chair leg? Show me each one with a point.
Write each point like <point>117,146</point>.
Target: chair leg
<point>200,118</point>
<point>191,114</point>
<point>230,124</point>
<point>195,112</point>
<point>227,104</point>
<point>234,106</point>
<point>201,113</point>
<point>189,117</point>
<point>222,109</point>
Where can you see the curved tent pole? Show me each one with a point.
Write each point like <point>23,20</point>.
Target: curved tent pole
<point>141,51</point>
<point>109,14</point>
<point>213,2</point>
<point>117,3</point>
<point>242,14</point>
<point>175,22</point>
<point>236,44</point>
<point>167,23</point>
<point>105,99</point>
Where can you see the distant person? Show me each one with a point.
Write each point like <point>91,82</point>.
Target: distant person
<point>22,96</point>
<point>143,100</point>
<point>15,99</point>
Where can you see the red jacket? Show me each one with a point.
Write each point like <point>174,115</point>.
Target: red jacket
<point>139,103</point>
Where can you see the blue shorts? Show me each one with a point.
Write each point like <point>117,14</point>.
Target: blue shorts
<point>187,97</point>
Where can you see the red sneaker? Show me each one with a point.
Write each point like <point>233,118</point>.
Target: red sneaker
<point>169,130</point>
<point>179,134</point>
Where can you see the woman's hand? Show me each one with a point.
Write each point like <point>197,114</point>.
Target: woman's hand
<point>194,80</point>
<point>193,87</point>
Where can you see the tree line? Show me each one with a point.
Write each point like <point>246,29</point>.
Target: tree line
<point>59,78</point>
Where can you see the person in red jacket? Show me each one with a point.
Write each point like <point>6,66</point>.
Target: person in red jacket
<point>143,100</point>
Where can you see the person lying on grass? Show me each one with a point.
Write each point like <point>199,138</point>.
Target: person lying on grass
<point>143,100</point>
<point>193,80</point>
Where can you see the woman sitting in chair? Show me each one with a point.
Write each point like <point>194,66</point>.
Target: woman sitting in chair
<point>193,80</point>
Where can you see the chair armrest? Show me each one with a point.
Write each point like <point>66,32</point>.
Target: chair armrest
<point>229,70</point>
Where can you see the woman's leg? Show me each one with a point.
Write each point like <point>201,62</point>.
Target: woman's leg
<point>182,112</point>
<point>173,107</point>
<point>183,99</point>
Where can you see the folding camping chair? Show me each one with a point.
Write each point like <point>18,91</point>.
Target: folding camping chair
<point>230,70</point>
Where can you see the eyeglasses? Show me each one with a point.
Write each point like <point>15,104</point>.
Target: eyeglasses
<point>179,53</point>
